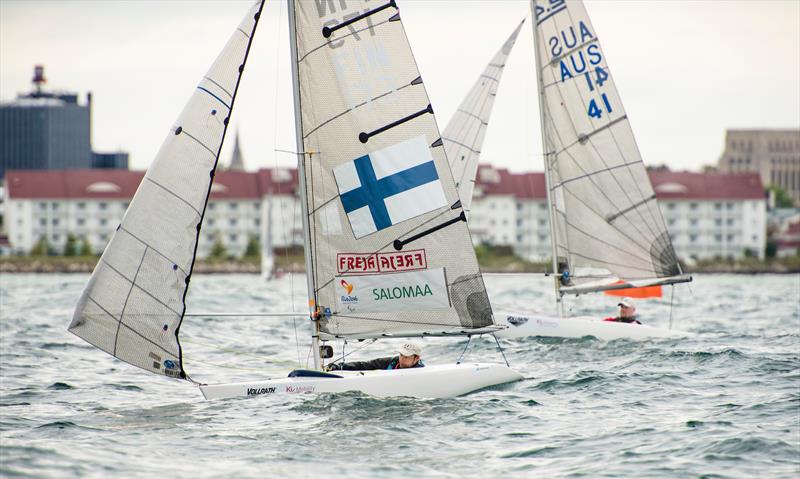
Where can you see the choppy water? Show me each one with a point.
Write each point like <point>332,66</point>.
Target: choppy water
<point>723,403</point>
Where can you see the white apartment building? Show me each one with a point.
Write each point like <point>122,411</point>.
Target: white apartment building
<point>707,215</point>
<point>91,203</point>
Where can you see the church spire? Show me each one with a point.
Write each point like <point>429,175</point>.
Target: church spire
<point>237,161</point>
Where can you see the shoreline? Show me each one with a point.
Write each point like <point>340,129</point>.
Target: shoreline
<point>61,264</point>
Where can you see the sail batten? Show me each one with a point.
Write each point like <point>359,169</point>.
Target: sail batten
<point>605,218</point>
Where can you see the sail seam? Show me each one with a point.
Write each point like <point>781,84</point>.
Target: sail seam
<point>218,85</point>
<point>215,96</point>
<point>631,208</point>
<point>473,115</point>
<point>373,26</point>
<point>133,283</point>
<point>571,51</point>
<point>128,327</point>
<point>462,144</point>
<point>592,173</point>
<point>173,194</point>
<point>576,228</point>
<point>246,35</point>
<point>127,297</point>
<point>122,228</point>
<point>598,260</point>
<point>338,115</point>
<point>199,142</point>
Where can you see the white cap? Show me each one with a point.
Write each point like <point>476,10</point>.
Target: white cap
<point>410,349</point>
<point>627,302</point>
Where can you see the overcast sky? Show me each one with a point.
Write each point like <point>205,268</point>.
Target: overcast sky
<point>686,70</point>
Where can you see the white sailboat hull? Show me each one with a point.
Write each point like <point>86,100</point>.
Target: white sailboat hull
<point>523,325</point>
<point>442,381</point>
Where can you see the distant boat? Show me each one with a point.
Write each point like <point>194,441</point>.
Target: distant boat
<point>387,249</point>
<point>607,232</point>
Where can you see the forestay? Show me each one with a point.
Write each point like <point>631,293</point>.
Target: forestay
<point>390,250</point>
<point>133,305</point>
<point>606,221</point>
<point>463,136</point>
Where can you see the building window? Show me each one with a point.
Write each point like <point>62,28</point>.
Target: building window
<point>729,221</point>
<point>693,238</point>
<point>717,206</point>
<point>718,238</point>
<point>694,221</point>
<point>81,221</point>
<point>125,206</point>
<point>671,222</point>
<point>54,205</point>
<point>257,222</point>
<point>729,206</point>
<point>670,206</point>
<point>210,206</point>
<point>233,206</point>
<point>730,238</point>
<point>42,206</point>
<point>55,221</point>
<point>103,221</point>
<point>542,222</point>
<point>718,222</point>
<point>233,238</point>
<point>256,206</point>
<point>42,222</point>
<point>232,221</point>
<point>102,206</point>
<point>81,205</point>
<point>56,238</point>
<point>693,206</point>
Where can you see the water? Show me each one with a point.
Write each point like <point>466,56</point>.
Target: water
<point>723,403</point>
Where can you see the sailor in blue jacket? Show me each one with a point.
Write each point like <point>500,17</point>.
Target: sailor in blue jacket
<point>409,357</point>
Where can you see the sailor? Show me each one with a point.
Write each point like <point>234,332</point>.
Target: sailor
<point>627,312</point>
<point>408,357</point>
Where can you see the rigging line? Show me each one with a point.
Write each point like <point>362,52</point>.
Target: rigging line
<point>671,298</point>
<point>326,44</point>
<point>224,349</point>
<point>353,351</point>
<point>501,349</point>
<point>215,96</point>
<point>217,85</point>
<point>173,194</point>
<point>574,128</point>
<point>127,297</point>
<point>354,108</point>
<point>469,340</point>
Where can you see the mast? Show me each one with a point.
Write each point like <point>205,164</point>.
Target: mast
<point>547,156</point>
<point>301,171</point>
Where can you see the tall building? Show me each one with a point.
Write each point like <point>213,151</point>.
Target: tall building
<point>773,154</point>
<point>44,130</point>
<point>237,160</point>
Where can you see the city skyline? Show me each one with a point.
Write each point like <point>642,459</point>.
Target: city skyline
<point>732,67</point>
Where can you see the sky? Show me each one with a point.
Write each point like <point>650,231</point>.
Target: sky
<point>686,70</point>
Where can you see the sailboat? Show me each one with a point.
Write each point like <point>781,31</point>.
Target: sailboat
<point>607,232</point>
<point>388,253</point>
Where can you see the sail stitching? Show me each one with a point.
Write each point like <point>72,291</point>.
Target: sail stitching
<point>592,173</point>
<point>246,35</point>
<point>128,327</point>
<point>354,108</point>
<point>122,228</point>
<point>173,194</point>
<point>127,297</point>
<point>133,283</point>
<point>600,240</point>
<point>200,142</point>
<point>583,138</point>
<point>218,85</point>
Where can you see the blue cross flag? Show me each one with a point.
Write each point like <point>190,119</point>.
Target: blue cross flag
<point>389,186</point>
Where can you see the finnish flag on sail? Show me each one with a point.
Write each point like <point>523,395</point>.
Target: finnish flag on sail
<point>389,186</point>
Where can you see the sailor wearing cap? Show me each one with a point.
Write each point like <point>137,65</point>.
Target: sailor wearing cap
<point>408,356</point>
<point>627,312</point>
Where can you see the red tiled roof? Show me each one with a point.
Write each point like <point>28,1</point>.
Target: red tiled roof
<point>520,185</point>
<point>122,184</point>
<point>667,185</point>
<point>707,186</point>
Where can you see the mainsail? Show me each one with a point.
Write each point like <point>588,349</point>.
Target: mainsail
<point>133,305</point>
<point>463,135</point>
<point>605,219</point>
<point>388,240</point>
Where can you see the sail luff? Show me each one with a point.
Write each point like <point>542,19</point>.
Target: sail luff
<point>301,171</point>
<point>546,153</point>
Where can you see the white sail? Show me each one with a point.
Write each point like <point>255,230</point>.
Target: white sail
<point>463,136</point>
<point>133,305</point>
<point>388,240</point>
<point>606,222</point>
